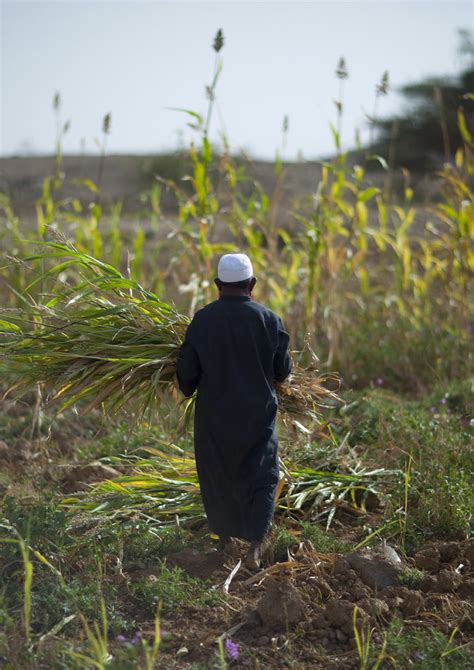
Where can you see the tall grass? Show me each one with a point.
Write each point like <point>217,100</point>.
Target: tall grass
<point>349,271</point>
<point>107,340</point>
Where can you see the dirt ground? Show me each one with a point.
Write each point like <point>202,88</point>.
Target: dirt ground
<point>296,612</point>
<point>303,607</point>
<point>126,177</point>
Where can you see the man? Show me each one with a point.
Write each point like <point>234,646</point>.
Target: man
<point>234,351</point>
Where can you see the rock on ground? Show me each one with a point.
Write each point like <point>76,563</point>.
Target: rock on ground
<point>281,605</point>
<point>339,613</point>
<point>374,570</point>
<point>427,559</point>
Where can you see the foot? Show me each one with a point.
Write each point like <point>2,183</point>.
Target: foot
<point>253,560</point>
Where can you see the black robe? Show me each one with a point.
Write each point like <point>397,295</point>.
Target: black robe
<point>233,351</point>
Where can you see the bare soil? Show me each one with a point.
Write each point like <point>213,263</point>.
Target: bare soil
<point>125,177</point>
<point>297,613</point>
<point>303,608</point>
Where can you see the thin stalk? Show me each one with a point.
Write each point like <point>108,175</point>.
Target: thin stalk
<point>444,124</point>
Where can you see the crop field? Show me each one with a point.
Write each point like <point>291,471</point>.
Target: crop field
<point>106,560</point>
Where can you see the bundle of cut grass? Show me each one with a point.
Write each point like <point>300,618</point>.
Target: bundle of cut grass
<point>161,483</point>
<point>107,340</point>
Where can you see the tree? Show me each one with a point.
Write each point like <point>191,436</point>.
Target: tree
<point>426,132</point>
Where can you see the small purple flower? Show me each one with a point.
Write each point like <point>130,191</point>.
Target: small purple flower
<point>379,381</point>
<point>232,648</point>
<point>443,401</point>
<point>433,410</point>
<point>125,640</point>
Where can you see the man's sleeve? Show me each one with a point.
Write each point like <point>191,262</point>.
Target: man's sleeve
<point>282,364</point>
<point>189,367</point>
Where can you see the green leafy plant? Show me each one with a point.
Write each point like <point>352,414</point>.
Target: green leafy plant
<point>173,589</point>
<point>411,577</point>
<point>363,639</point>
<point>426,648</point>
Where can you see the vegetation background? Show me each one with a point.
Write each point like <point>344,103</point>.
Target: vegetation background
<point>368,257</point>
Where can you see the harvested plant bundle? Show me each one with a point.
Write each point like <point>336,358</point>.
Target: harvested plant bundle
<point>161,483</point>
<point>106,339</point>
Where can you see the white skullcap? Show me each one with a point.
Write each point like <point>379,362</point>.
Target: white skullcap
<point>234,268</point>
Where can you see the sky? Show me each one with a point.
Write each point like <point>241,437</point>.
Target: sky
<point>139,60</point>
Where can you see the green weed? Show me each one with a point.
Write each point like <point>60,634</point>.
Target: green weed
<point>281,540</point>
<point>411,577</point>
<point>426,649</point>
<point>149,544</point>
<point>364,645</point>
<point>174,589</point>
<point>323,541</point>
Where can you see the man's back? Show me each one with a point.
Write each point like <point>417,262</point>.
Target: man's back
<point>240,348</point>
